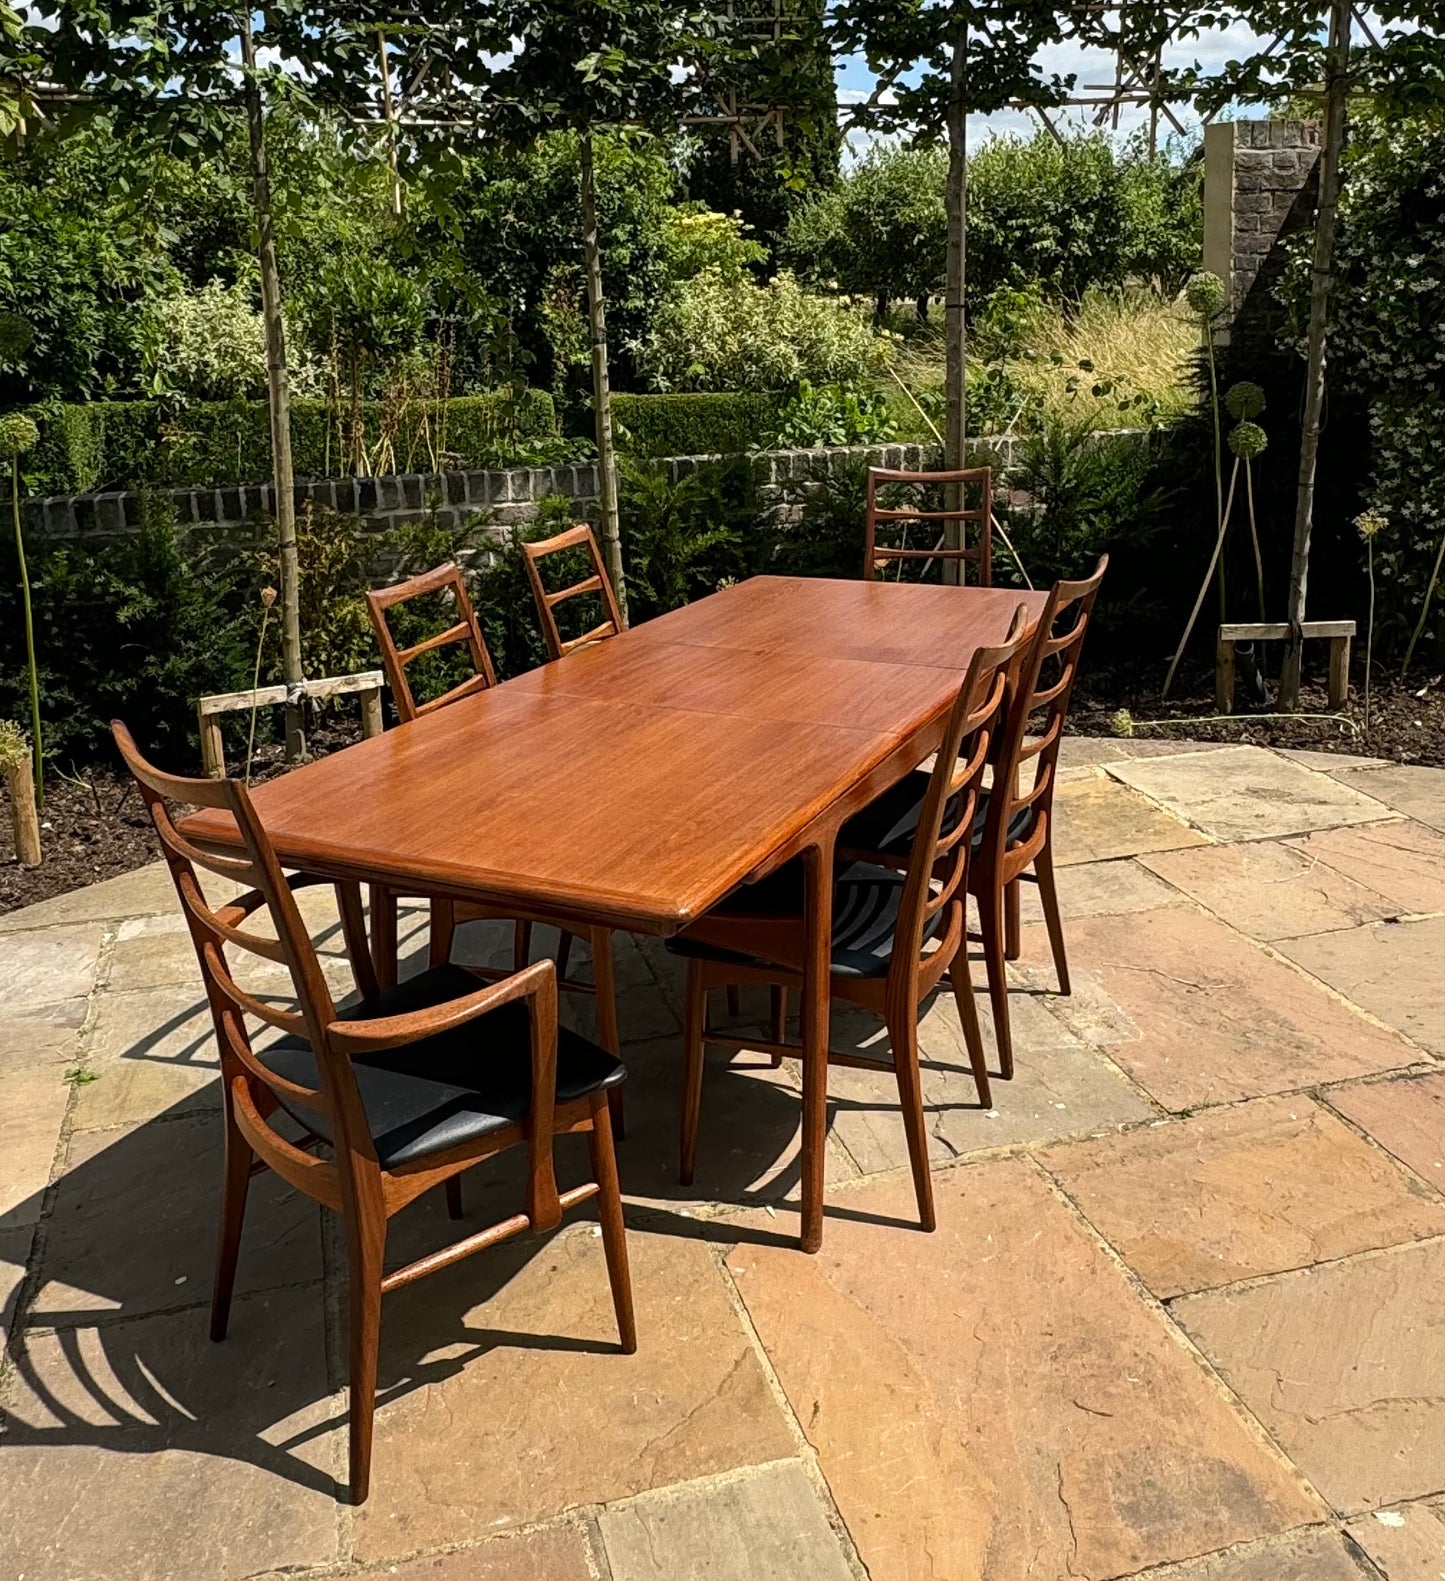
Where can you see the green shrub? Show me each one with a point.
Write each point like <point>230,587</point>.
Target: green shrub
<point>829,414</point>
<point>703,424</point>
<point>716,333</point>
<point>153,444</point>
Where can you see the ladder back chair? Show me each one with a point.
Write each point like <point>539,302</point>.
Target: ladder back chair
<point>898,927</point>
<point>395,1096</point>
<point>978,479</point>
<point>448,581</point>
<point>596,583</point>
<point>1015,835</point>
<point>446,915</point>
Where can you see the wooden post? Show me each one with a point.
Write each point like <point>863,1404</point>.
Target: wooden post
<point>371,713</point>
<point>213,751</point>
<point>1224,675</point>
<point>23,817</point>
<point>1339,671</point>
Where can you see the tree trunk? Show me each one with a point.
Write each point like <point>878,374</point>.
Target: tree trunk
<point>610,533</point>
<point>279,402</point>
<point>1321,285</point>
<point>954,329</point>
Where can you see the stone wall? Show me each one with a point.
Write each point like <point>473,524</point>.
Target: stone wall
<point>1259,186</point>
<point>505,497</point>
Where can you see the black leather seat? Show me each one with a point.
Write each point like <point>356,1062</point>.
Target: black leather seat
<point>450,1088</point>
<point>865,917</point>
<point>889,822</point>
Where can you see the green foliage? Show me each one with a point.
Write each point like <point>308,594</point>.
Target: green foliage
<point>824,535</point>
<point>830,414</point>
<point>685,538</point>
<point>695,238</point>
<point>702,424</point>
<point>129,444</point>
<point>712,333</point>
<point>207,344</point>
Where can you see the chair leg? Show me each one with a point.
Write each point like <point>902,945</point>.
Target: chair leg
<point>735,1001</point>
<point>564,955</point>
<point>903,1034</point>
<point>521,945</point>
<point>991,926</point>
<point>778,1028</point>
<point>1012,944</point>
<point>443,931</point>
<point>453,1189</point>
<point>614,1230</point>
<point>962,984</point>
<point>1049,899</point>
<point>694,1023</point>
<point>366,1243</point>
<point>235,1180</point>
<point>609,1034</point>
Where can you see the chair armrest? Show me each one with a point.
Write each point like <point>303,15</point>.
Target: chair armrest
<point>372,1035</point>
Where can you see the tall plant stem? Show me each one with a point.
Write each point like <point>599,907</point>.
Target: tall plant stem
<point>255,685</point>
<point>1218,458</point>
<point>1204,585</point>
<point>1370,628</point>
<point>1254,533</point>
<point>36,750</point>
<point>1337,56</point>
<point>1424,607</point>
<point>611,529</point>
<point>279,398</point>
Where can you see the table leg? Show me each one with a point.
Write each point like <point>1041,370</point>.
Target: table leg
<point>815,1028</point>
<point>383,934</point>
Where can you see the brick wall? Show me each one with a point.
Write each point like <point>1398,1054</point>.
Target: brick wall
<point>1259,186</point>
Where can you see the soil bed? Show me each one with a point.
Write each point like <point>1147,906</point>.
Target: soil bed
<point>94,825</point>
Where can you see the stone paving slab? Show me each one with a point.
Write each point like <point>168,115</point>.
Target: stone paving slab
<point>14,1254</point>
<point>145,891</point>
<point>994,1399</point>
<point>151,1052</point>
<point>559,1553</point>
<point>1248,793</point>
<point>143,1452</point>
<point>1345,1365</point>
<point>1270,890</point>
<point>766,1524</point>
<point>1097,819</point>
<point>1314,1555</point>
<point>1403,861</point>
<point>1406,1543</point>
<point>1198,1015</point>
<point>133,1229</point>
<point>33,1104</point>
<point>1395,970</point>
<point>1405,1115</point>
<point>1093,889</point>
<point>40,967</point>
<point>512,1401</point>
<point>1234,1193</point>
<point>1417,792</point>
<point>42,1035</point>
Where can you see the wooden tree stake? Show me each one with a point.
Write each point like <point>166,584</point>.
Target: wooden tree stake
<point>23,816</point>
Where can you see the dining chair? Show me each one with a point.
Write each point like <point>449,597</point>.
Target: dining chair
<point>446,916</point>
<point>975,482</point>
<point>597,583</point>
<point>1013,825</point>
<point>396,1095</point>
<point>898,928</point>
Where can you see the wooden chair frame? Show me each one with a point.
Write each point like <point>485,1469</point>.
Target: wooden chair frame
<point>936,881</point>
<point>443,579</point>
<point>447,916</point>
<point>981,554</point>
<point>347,1177</point>
<point>578,537</point>
<point>1004,858</point>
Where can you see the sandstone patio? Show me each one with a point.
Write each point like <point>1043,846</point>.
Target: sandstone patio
<point>1181,1318</point>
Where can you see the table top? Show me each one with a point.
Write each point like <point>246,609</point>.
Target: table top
<point>636,782</point>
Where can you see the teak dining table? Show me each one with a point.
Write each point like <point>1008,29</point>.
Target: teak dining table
<point>635,783</point>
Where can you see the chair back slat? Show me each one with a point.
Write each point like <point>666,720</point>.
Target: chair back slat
<point>938,860</point>
<point>876,555</point>
<point>1037,712</point>
<point>466,632</point>
<point>597,584</point>
<point>214,929</point>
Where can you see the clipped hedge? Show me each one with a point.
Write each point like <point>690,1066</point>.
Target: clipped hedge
<point>154,444</point>
<point>705,424</point>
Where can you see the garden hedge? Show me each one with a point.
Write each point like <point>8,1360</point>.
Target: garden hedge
<point>705,424</point>
<point>154,444</point>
